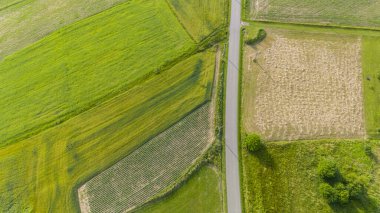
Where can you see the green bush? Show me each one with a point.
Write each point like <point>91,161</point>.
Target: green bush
<point>355,185</point>
<point>253,143</point>
<point>343,194</point>
<point>259,37</point>
<point>328,192</point>
<point>327,169</point>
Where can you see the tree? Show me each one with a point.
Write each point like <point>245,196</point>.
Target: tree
<point>327,169</point>
<point>253,143</point>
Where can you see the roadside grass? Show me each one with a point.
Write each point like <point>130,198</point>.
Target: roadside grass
<point>44,172</point>
<point>81,65</point>
<point>371,78</point>
<point>200,17</point>
<point>358,13</point>
<point>24,22</point>
<point>201,193</point>
<point>283,177</point>
<point>151,168</point>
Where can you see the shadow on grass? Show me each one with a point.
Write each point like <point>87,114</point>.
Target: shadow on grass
<point>362,204</point>
<point>265,158</point>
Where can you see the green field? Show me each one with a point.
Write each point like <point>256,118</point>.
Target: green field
<point>358,13</point>
<point>283,177</point>
<point>371,78</point>
<point>74,68</point>
<point>44,171</point>
<point>151,168</point>
<point>201,194</point>
<point>27,21</point>
<point>201,17</point>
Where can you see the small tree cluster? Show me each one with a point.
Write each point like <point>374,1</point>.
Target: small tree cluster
<point>253,143</point>
<point>335,189</point>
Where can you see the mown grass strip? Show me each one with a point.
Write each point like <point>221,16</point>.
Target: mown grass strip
<point>78,66</point>
<point>371,82</point>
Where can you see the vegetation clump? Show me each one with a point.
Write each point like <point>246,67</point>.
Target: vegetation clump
<point>327,169</point>
<point>336,189</point>
<point>261,35</point>
<point>253,143</point>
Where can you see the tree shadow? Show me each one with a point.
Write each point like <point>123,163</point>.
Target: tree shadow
<point>265,158</point>
<point>362,204</point>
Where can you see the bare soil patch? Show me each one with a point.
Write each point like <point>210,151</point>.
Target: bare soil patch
<point>299,85</point>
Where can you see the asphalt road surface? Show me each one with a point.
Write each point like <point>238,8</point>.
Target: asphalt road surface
<point>231,125</point>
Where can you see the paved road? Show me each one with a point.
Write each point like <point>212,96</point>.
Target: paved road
<point>231,125</point>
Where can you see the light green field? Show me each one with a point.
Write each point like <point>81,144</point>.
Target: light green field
<point>371,78</point>
<point>152,168</point>
<point>24,22</point>
<point>200,194</point>
<point>201,17</point>
<point>43,172</point>
<point>283,178</point>
<point>359,13</point>
<point>80,65</point>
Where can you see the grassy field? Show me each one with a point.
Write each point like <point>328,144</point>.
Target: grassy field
<point>27,21</point>
<point>201,17</point>
<point>359,13</point>
<point>43,172</point>
<point>151,168</point>
<point>74,68</point>
<point>371,76</point>
<point>283,177</point>
<point>200,194</point>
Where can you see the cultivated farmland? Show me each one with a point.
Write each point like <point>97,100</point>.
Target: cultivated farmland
<point>200,194</point>
<point>23,22</point>
<point>201,17</point>
<point>44,171</point>
<point>151,168</point>
<point>303,86</point>
<point>80,65</point>
<point>283,177</point>
<point>358,13</point>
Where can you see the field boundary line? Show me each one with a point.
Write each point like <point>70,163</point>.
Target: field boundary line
<point>316,25</point>
<point>179,21</point>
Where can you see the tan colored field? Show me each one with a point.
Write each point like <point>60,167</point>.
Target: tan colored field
<point>303,86</point>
